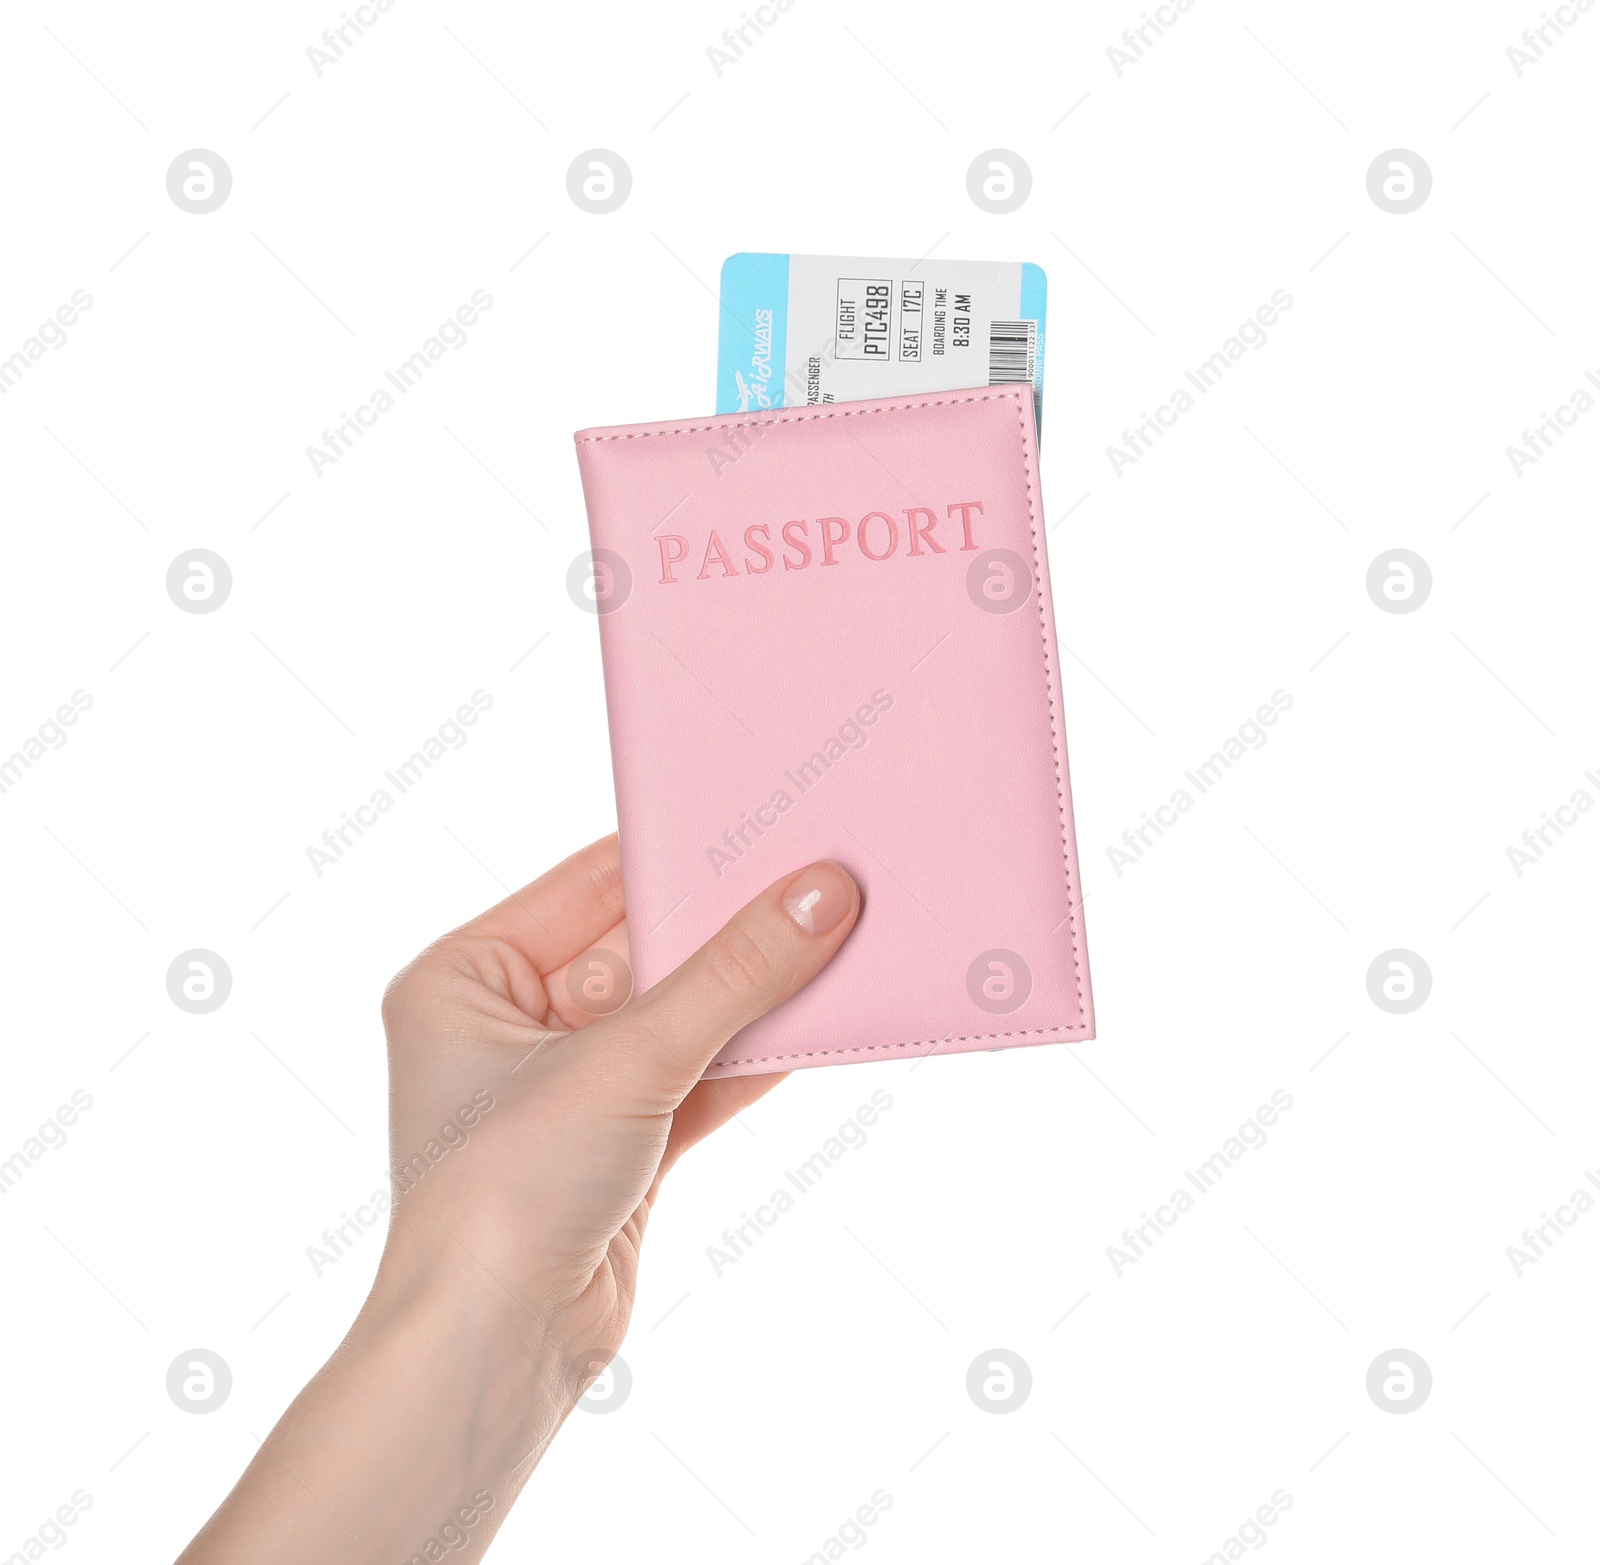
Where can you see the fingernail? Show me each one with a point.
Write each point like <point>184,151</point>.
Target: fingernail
<point>819,896</point>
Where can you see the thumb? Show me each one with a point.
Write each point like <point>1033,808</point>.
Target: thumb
<point>772,947</point>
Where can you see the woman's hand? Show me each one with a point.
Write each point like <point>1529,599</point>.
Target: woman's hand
<point>532,1117</point>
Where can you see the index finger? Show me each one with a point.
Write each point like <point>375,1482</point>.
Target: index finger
<point>563,912</point>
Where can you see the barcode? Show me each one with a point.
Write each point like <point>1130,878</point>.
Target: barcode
<point>1011,352</point>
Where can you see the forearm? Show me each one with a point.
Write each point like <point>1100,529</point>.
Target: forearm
<point>509,1274</point>
<point>423,1426</point>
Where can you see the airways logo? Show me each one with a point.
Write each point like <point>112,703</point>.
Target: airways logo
<point>878,536</point>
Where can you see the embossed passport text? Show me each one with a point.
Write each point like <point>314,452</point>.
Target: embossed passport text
<point>827,633</point>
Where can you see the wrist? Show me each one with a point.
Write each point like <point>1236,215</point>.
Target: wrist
<point>464,1323</point>
<point>485,1292</point>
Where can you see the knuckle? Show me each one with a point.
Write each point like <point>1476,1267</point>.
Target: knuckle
<point>399,995</point>
<point>741,964</point>
<point>605,878</point>
<point>464,973</point>
<point>413,988</point>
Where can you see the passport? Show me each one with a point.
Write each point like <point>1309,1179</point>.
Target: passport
<point>827,632</point>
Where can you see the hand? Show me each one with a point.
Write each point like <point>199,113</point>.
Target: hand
<point>528,1142</point>
<point>582,1115</point>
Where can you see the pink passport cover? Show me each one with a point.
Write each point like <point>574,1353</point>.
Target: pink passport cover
<point>827,633</point>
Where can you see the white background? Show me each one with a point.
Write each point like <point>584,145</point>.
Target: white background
<point>1167,204</point>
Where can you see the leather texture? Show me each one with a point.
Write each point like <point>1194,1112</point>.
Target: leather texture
<point>827,632</point>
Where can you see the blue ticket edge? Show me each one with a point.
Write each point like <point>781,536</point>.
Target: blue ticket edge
<point>753,330</point>
<point>753,333</point>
